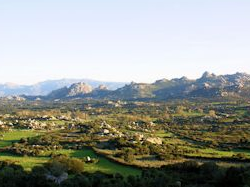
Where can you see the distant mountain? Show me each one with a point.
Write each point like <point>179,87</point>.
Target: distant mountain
<point>77,89</point>
<point>208,86</point>
<point>44,88</point>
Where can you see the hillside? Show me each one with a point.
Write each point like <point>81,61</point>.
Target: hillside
<point>207,86</point>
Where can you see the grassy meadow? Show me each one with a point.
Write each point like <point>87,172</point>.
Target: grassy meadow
<point>104,165</point>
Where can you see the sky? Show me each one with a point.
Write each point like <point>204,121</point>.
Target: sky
<point>122,40</point>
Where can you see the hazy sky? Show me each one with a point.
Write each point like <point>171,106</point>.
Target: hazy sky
<point>122,40</point>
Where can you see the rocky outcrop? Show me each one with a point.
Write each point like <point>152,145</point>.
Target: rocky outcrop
<point>79,89</point>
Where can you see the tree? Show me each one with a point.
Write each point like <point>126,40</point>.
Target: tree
<point>129,155</point>
<point>62,163</point>
<point>75,166</point>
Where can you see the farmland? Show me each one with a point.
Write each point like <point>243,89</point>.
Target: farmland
<point>104,165</point>
<point>128,139</point>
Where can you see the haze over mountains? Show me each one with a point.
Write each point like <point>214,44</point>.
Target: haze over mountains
<point>208,86</point>
<point>44,88</point>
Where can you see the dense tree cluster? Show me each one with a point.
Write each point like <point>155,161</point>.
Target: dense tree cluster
<point>35,146</point>
<point>186,174</point>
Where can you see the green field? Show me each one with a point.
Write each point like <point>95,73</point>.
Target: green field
<point>170,138</point>
<point>27,162</point>
<point>14,136</point>
<point>104,165</point>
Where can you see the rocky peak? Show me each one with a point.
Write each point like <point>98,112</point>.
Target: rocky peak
<point>102,87</point>
<point>79,88</point>
<point>161,81</point>
<point>207,75</point>
<point>184,78</point>
<point>242,76</point>
<point>209,85</point>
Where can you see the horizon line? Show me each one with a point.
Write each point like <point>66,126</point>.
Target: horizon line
<point>125,82</point>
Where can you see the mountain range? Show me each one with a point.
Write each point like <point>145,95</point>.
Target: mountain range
<point>44,88</point>
<point>207,86</point>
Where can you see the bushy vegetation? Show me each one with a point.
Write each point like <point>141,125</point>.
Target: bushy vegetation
<point>186,174</point>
